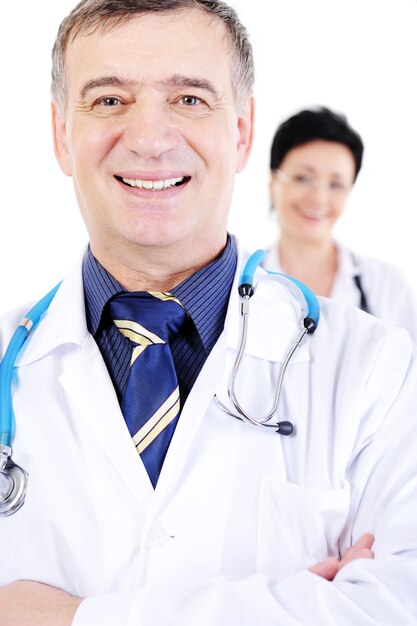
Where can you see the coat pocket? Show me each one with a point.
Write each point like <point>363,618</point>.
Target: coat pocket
<point>298,526</point>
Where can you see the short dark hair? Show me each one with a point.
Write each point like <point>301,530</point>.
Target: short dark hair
<point>314,124</point>
<point>90,16</point>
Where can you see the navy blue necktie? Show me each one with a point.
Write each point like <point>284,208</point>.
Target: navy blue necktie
<point>151,401</point>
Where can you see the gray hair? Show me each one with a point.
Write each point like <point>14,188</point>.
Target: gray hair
<point>90,16</point>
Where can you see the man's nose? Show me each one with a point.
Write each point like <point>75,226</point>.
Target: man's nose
<point>149,131</point>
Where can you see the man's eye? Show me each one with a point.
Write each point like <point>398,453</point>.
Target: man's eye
<point>190,100</point>
<point>109,101</point>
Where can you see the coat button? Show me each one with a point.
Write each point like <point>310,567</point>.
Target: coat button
<point>158,536</point>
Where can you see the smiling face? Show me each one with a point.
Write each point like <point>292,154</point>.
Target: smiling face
<point>152,138</point>
<point>310,189</point>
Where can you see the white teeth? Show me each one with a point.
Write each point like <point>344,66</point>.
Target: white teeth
<point>313,215</point>
<point>153,185</point>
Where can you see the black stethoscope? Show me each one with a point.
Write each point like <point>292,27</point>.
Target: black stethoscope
<point>363,303</point>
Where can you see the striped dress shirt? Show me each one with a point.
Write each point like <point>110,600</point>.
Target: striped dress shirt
<point>204,294</point>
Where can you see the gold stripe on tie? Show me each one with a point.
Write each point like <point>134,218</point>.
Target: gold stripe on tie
<point>137,351</point>
<point>168,418</point>
<point>159,420</point>
<point>165,295</point>
<point>137,333</point>
<point>159,414</point>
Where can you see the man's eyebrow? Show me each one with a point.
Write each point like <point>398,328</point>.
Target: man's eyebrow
<point>105,81</point>
<point>190,82</point>
<point>174,81</point>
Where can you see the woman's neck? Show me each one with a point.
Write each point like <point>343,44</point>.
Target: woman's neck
<point>313,263</point>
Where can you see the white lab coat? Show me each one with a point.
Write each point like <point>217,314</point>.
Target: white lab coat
<point>238,513</point>
<point>388,293</point>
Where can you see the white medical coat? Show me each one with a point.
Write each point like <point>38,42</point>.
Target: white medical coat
<point>388,293</point>
<point>238,514</point>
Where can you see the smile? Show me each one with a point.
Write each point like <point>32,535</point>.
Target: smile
<point>154,185</point>
<point>313,216</point>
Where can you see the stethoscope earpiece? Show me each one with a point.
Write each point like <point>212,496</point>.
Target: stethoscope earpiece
<point>310,325</point>
<point>285,428</point>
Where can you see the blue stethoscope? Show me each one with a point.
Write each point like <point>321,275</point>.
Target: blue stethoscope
<point>13,479</point>
<point>311,315</point>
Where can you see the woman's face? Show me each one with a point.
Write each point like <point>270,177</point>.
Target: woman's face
<point>310,189</point>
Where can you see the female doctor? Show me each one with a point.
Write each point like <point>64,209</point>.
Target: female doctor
<point>315,159</point>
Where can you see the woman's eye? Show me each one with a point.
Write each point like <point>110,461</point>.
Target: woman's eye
<point>337,185</point>
<point>301,179</point>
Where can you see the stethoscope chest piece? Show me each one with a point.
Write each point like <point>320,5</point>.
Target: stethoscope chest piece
<point>13,481</point>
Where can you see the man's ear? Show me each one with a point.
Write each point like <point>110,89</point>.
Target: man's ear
<point>245,127</point>
<point>59,133</point>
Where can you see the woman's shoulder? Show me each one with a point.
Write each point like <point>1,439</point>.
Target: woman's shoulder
<point>372,267</point>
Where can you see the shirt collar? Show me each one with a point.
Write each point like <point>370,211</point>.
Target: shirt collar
<point>205,294</point>
<point>99,288</point>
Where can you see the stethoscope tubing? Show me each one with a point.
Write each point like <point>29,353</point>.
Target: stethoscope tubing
<point>28,323</point>
<point>312,309</point>
<point>260,421</point>
<point>6,375</point>
<point>13,477</point>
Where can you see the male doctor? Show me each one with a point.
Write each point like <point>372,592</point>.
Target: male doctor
<point>189,516</point>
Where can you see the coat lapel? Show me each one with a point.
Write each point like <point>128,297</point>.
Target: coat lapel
<point>88,385</point>
<point>86,381</point>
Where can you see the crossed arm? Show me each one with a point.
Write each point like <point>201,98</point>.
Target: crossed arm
<point>27,602</point>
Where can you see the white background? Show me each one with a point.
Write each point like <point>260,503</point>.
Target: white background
<point>356,56</point>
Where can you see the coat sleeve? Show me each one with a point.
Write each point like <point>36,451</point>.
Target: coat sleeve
<point>383,472</point>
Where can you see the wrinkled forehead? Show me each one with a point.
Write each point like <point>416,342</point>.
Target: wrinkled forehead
<point>152,45</point>
<point>160,23</point>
